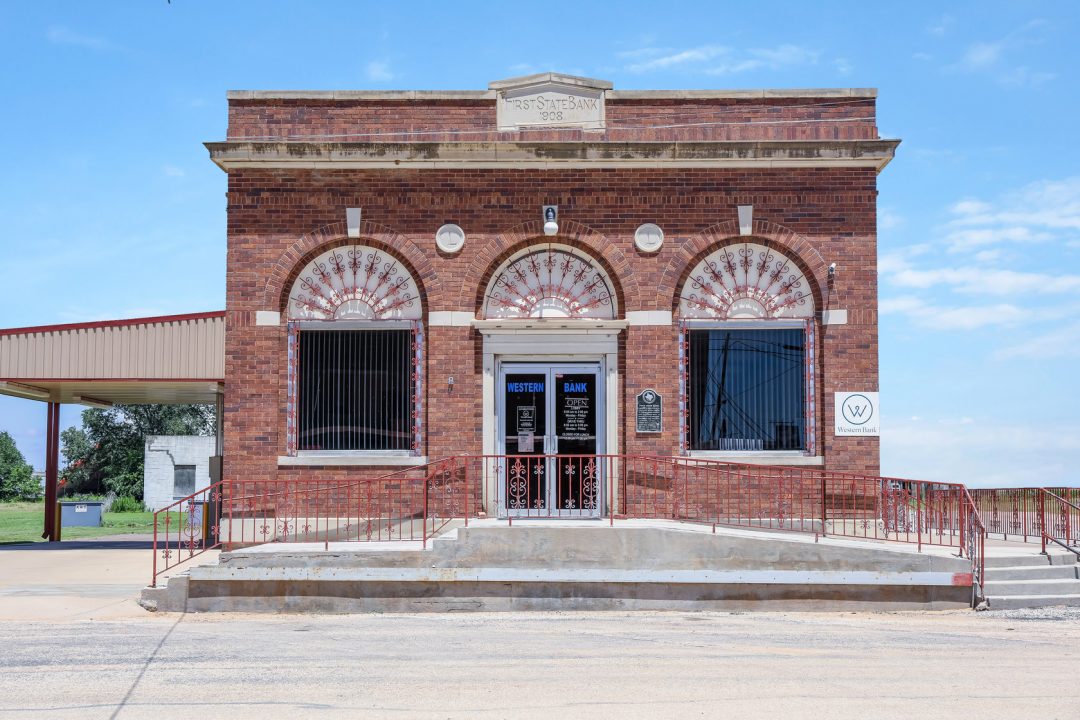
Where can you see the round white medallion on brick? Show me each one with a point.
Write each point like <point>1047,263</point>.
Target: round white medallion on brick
<point>354,282</point>
<point>648,238</point>
<point>743,282</point>
<point>450,238</point>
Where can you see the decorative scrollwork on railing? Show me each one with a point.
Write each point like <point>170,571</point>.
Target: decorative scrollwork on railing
<point>590,488</point>
<point>518,485</point>
<point>354,283</point>
<point>746,281</point>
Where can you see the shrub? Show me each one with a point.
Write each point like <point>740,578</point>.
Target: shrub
<point>126,503</point>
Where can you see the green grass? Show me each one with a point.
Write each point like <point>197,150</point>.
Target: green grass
<point>23,522</point>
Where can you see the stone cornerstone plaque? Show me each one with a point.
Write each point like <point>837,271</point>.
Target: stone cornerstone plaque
<point>550,100</point>
<point>650,412</point>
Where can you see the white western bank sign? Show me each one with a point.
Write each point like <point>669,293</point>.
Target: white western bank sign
<point>857,413</point>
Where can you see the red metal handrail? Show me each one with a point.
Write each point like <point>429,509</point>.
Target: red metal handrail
<point>196,529</point>
<point>1020,513</point>
<point>418,502</point>
<point>1062,524</point>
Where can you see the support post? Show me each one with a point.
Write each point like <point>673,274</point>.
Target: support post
<point>52,471</point>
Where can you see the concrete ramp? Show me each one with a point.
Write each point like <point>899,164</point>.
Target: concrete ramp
<point>573,565</point>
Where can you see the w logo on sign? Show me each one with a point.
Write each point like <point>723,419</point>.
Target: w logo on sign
<point>856,413</point>
<point>858,409</point>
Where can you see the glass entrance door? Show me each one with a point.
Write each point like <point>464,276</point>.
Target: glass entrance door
<point>551,431</point>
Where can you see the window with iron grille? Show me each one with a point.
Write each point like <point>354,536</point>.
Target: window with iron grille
<point>355,390</point>
<point>746,389</point>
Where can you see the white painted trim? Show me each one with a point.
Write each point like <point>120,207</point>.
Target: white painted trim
<point>283,162</point>
<point>758,458</point>
<point>267,317</point>
<point>422,95</point>
<point>542,155</point>
<point>351,460</point>
<point>834,317</point>
<point>320,325</point>
<point>746,219</point>
<point>494,327</point>
<point>769,324</point>
<point>588,575</point>
<point>450,318</point>
<point>648,317</point>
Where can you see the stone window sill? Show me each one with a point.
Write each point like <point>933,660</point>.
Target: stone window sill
<point>759,458</point>
<point>351,460</point>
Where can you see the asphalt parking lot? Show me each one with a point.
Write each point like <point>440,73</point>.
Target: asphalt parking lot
<point>80,649</point>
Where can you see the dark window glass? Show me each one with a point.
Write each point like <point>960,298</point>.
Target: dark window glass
<point>355,390</point>
<point>746,390</point>
<point>183,480</point>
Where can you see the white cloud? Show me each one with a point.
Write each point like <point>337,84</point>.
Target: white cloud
<point>1064,342</point>
<point>1025,77</point>
<point>992,58</point>
<point>981,55</point>
<point>897,261</point>
<point>888,219</point>
<point>986,281</point>
<point>378,71</point>
<point>60,35</point>
<point>940,26</point>
<point>172,171</point>
<point>970,207</point>
<point>719,59</point>
<point>979,452</point>
<point>938,317</point>
<point>1048,210</point>
<point>657,59</point>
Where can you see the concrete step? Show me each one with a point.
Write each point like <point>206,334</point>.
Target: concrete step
<point>994,588</point>
<point>1033,572</point>
<point>1017,602</point>
<point>1030,559</point>
<point>643,565</point>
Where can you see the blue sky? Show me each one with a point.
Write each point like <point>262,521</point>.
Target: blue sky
<point>110,207</point>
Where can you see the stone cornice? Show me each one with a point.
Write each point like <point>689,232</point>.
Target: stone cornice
<point>236,154</point>
<point>436,95</point>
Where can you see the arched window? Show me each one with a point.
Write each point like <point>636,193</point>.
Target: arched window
<point>747,316</point>
<point>550,281</point>
<point>355,349</point>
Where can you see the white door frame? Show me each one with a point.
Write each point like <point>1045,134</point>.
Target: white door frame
<point>546,341</point>
<point>550,445</point>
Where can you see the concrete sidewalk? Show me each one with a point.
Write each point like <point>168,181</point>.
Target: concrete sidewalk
<point>92,579</point>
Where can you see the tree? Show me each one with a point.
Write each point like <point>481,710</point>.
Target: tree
<point>106,453</point>
<point>17,481</point>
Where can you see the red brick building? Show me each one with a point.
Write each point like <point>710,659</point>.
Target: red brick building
<point>548,267</point>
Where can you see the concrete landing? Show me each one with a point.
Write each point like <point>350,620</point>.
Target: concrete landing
<point>574,565</point>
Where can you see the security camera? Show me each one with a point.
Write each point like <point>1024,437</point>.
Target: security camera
<point>832,269</point>
<point>551,219</point>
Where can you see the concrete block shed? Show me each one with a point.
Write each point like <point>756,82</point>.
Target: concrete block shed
<point>175,466</point>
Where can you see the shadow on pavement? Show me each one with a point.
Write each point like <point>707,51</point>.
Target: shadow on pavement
<point>123,542</point>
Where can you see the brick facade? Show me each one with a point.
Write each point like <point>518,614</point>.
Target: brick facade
<point>281,217</point>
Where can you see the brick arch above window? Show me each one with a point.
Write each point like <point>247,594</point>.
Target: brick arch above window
<point>550,280</point>
<point>781,241</point>
<point>746,280</point>
<point>354,282</point>
<point>494,253</point>
<point>293,261</point>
